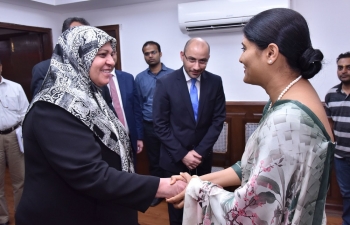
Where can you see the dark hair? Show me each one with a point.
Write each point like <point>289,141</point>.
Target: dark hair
<point>70,20</point>
<point>0,62</point>
<point>289,31</point>
<point>151,43</point>
<point>341,56</point>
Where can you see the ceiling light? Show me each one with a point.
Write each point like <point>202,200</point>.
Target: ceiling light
<point>59,2</point>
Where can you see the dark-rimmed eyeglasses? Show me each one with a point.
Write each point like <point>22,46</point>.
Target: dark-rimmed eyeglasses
<point>150,53</point>
<point>193,60</point>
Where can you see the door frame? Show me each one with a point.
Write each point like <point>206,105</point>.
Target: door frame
<point>46,36</point>
<point>115,29</point>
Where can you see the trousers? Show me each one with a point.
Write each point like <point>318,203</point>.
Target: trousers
<point>152,145</point>
<point>11,155</point>
<point>342,168</point>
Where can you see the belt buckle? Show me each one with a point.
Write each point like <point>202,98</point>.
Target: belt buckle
<point>14,127</point>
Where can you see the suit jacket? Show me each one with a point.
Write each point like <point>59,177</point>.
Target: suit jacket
<point>107,97</point>
<point>174,121</point>
<point>38,75</point>
<point>131,106</point>
<point>73,178</point>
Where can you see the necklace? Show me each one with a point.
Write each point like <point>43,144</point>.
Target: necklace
<point>286,89</point>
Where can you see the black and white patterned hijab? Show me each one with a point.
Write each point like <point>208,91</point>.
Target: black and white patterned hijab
<point>68,85</point>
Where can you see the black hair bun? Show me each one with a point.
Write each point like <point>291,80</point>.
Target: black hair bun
<point>310,63</point>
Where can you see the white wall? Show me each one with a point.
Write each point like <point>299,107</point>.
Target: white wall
<point>157,21</point>
<point>140,23</point>
<point>330,32</point>
<point>31,17</point>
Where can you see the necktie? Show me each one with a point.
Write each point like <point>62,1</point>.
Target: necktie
<point>194,97</point>
<point>115,100</point>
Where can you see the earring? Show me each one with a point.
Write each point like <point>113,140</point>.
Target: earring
<point>270,61</point>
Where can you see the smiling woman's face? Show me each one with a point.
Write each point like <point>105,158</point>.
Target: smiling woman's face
<point>102,65</point>
<point>251,58</point>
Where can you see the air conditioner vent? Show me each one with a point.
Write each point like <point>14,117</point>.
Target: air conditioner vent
<point>215,27</point>
<point>222,15</point>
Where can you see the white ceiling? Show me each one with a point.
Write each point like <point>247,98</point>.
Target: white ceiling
<point>75,7</point>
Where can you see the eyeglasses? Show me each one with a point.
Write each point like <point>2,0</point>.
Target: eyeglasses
<point>149,53</point>
<point>193,60</point>
<point>341,67</point>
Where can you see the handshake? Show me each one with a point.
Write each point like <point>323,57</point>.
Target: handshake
<point>173,189</point>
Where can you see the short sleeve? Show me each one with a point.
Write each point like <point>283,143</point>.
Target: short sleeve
<point>238,169</point>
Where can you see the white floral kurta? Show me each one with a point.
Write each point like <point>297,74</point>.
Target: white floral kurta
<point>285,175</point>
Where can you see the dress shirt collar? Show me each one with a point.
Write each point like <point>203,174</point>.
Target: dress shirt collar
<point>3,80</point>
<point>114,73</point>
<point>188,78</point>
<point>164,68</point>
<point>340,88</point>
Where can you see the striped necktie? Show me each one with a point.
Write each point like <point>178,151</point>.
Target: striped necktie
<point>115,100</point>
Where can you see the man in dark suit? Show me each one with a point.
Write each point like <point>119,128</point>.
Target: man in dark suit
<point>188,115</point>
<point>38,75</point>
<point>126,105</point>
<point>39,70</point>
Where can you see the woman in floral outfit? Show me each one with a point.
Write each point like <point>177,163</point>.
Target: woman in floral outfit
<point>284,171</point>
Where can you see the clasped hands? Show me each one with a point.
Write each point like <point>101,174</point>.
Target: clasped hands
<point>192,159</point>
<point>174,188</point>
<point>178,200</point>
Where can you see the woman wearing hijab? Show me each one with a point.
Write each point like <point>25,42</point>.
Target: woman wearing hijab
<point>78,161</point>
<point>284,172</point>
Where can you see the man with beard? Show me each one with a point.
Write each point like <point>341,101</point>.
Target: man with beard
<point>188,115</point>
<point>338,110</point>
<point>146,84</point>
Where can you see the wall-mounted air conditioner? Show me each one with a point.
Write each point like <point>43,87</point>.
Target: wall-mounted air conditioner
<point>222,15</point>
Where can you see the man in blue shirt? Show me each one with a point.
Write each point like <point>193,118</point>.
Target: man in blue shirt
<point>146,84</point>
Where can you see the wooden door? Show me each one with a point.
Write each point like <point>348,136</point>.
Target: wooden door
<point>21,49</point>
<point>26,51</point>
<point>113,30</point>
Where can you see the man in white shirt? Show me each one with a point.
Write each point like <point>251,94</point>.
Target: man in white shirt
<point>13,106</point>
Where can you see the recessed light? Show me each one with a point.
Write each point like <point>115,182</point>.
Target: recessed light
<point>59,2</point>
